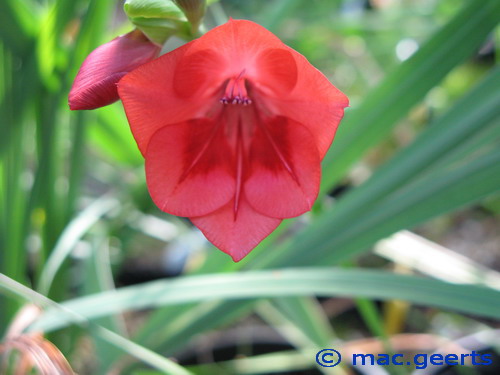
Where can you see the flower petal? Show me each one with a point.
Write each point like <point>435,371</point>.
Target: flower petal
<point>229,50</point>
<point>236,236</point>
<point>199,75</point>
<point>239,43</point>
<point>95,83</point>
<point>277,71</point>
<point>150,101</point>
<point>284,169</point>
<point>190,168</point>
<point>314,102</point>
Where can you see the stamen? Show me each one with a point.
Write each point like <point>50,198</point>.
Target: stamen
<point>236,91</point>
<point>239,169</point>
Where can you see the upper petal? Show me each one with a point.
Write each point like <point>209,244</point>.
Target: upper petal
<point>277,72</point>
<point>236,235</point>
<point>238,43</point>
<point>190,168</point>
<point>95,83</point>
<point>149,98</point>
<point>314,102</point>
<point>199,74</point>
<point>238,47</point>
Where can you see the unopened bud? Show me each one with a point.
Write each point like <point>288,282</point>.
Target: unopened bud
<point>95,83</point>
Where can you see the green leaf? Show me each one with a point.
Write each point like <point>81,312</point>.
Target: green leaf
<point>158,19</point>
<point>99,277</point>
<point>280,362</point>
<point>308,316</point>
<point>149,357</point>
<point>144,354</point>
<point>71,235</point>
<point>470,299</point>
<point>182,322</point>
<point>160,30</point>
<point>383,107</point>
<point>462,121</point>
<point>18,24</point>
<point>194,11</point>
<point>153,9</point>
<point>110,133</point>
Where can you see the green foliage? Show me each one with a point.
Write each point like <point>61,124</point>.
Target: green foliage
<point>162,19</point>
<point>258,284</point>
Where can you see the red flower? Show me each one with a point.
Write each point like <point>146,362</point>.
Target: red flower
<point>95,83</point>
<point>233,127</point>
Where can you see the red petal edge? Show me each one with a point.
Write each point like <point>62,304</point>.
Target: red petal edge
<point>236,236</point>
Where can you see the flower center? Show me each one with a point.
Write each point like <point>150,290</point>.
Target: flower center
<point>236,91</point>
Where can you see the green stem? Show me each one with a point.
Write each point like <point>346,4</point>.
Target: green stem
<point>76,164</point>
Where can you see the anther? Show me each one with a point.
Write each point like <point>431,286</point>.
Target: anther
<point>236,92</point>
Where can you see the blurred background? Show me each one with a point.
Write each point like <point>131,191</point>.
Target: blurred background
<point>407,215</point>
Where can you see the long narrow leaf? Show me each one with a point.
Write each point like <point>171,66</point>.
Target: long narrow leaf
<point>155,360</point>
<point>290,282</point>
<point>71,235</point>
<point>406,86</point>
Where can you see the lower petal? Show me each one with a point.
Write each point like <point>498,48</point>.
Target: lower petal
<point>190,168</point>
<point>236,235</point>
<point>284,169</point>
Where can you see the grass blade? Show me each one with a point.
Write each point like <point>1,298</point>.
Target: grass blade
<point>147,356</point>
<point>70,236</point>
<point>289,282</point>
<point>365,126</point>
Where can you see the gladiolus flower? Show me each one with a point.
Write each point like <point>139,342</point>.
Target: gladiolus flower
<point>95,83</point>
<point>233,127</point>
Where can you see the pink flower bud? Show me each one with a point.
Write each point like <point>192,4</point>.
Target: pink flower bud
<point>95,83</point>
